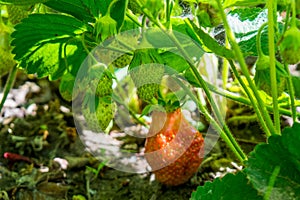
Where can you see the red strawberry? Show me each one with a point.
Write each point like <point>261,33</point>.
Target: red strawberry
<point>174,149</point>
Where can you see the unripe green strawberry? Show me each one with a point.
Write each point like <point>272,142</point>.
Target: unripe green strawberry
<point>17,13</point>
<point>99,113</point>
<point>290,46</point>
<point>66,86</point>
<point>262,76</point>
<point>105,112</point>
<point>146,72</point>
<point>174,148</point>
<point>262,62</point>
<point>104,86</point>
<point>6,61</point>
<point>112,57</point>
<point>122,61</point>
<point>105,27</point>
<point>99,80</point>
<point>119,58</point>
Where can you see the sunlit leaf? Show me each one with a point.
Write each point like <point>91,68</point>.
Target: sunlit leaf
<point>46,43</point>
<point>77,8</point>
<point>210,43</point>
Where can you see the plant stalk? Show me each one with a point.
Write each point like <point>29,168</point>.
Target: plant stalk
<point>244,100</point>
<point>274,92</point>
<point>225,69</point>
<point>9,84</point>
<point>291,93</point>
<point>262,109</point>
<point>255,106</point>
<point>233,145</point>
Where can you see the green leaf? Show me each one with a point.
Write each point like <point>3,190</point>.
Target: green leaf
<point>22,2</point>
<point>230,187</point>
<point>191,78</point>
<point>46,44</point>
<point>103,5</point>
<point>281,151</point>
<point>38,28</point>
<point>175,61</point>
<point>249,3</point>
<point>148,108</point>
<point>242,3</point>
<point>245,23</point>
<point>160,39</point>
<point>204,39</point>
<point>85,10</point>
<point>296,83</point>
<point>118,12</point>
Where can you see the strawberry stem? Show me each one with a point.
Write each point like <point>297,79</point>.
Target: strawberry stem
<point>255,107</point>
<point>133,18</point>
<point>293,20</point>
<point>244,100</point>
<point>258,40</point>
<point>169,7</point>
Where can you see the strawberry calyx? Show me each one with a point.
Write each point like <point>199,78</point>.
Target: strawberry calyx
<point>290,46</point>
<point>104,86</point>
<point>262,77</point>
<point>105,27</point>
<point>97,111</point>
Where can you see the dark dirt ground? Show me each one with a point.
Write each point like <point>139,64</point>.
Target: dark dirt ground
<point>38,125</point>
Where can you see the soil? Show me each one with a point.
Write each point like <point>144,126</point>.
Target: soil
<point>38,124</point>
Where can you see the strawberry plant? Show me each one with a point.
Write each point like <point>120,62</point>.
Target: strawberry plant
<point>90,46</point>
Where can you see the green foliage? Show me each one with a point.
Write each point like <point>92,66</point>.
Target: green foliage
<point>118,12</point>
<point>84,10</point>
<point>242,3</point>
<point>175,61</point>
<point>22,2</point>
<point>296,83</point>
<point>245,24</point>
<point>55,44</point>
<point>281,154</point>
<point>282,151</point>
<point>204,39</point>
<point>230,187</point>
